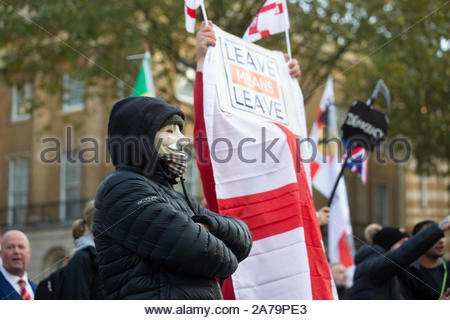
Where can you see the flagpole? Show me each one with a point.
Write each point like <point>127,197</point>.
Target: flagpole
<point>288,44</point>
<point>286,32</point>
<point>330,199</point>
<point>205,17</point>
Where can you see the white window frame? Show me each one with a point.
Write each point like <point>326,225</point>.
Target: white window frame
<point>67,105</point>
<point>62,184</point>
<point>12,185</point>
<point>16,101</point>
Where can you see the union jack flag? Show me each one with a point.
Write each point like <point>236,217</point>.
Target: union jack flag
<point>358,161</point>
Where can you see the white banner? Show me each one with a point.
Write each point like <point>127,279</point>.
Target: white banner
<point>255,82</point>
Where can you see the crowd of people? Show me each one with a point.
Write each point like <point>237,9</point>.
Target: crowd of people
<point>141,239</point>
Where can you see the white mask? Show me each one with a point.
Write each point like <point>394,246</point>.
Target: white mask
<point>170,143</point>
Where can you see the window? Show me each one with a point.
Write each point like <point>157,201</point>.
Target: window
<point>185,85</point>
<point>70,187</point>
<point>423,192</point>
<point>380,202</point>
<point>73,93</point>
<point>121,87</point>
<point>17,191</point>
<point>21,102</point>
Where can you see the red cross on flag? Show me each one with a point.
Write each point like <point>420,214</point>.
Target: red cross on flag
<point>272,18</point>
<point>189,12</point>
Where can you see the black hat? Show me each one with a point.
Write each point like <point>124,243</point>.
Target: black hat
<point>388,236</point>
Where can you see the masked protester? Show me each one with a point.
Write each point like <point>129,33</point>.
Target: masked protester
<point>152,241</point>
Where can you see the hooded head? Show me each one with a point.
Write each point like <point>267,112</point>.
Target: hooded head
<point>132,129</point>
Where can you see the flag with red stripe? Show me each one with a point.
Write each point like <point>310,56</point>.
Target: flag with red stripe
<point>190,7</point>
<point>325,170</point>
<point>265,185</point>
<point>272,18</point>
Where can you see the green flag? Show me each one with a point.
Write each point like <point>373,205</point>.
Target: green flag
<point>144,83</point>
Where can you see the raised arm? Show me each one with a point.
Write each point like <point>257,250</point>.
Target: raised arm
<point>387,265</point>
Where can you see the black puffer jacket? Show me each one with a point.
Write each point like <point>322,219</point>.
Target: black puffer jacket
<point>81,280</point>
<point>377,269</point>
<point>147,239</point>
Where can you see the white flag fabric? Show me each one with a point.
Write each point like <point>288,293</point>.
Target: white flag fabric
<point>190,6</point>
<point>272,18</point>
<point>287,260</point>
<point>324,171</point>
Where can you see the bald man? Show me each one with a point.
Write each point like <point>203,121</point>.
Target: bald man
<point>15,253</point>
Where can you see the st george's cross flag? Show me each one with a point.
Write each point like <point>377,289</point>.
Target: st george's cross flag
<point>271,19</point>
<point>325,169</point>
<point>271,195</point>
<point>144,83</point>
<point>190,6</point>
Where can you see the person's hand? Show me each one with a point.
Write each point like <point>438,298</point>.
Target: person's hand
<point>323,215</point>
<point>205,38</point>
<point>294,68</point>
<point>446,295</point>
<point>204,226</point>
<point>445,224</point>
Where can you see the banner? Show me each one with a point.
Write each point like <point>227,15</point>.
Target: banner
<point>251,122</point>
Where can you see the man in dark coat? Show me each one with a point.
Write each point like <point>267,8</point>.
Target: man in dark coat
<point>427,278</point>
<point>378,265</point>
<point>152,241</point>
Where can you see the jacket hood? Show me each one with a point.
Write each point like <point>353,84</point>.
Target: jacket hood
<point>366,251</point>
<point>132,127</point>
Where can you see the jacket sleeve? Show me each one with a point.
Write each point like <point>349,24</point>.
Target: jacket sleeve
<point>143,222</point>
<point>386,265</point>
<point>233,232</point>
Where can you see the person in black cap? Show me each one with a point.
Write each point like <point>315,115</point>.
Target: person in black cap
<point>378,265</point>
<point>152,241</point>
<point>427,278</point>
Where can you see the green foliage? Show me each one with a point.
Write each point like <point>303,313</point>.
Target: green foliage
<point>357,41</point>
